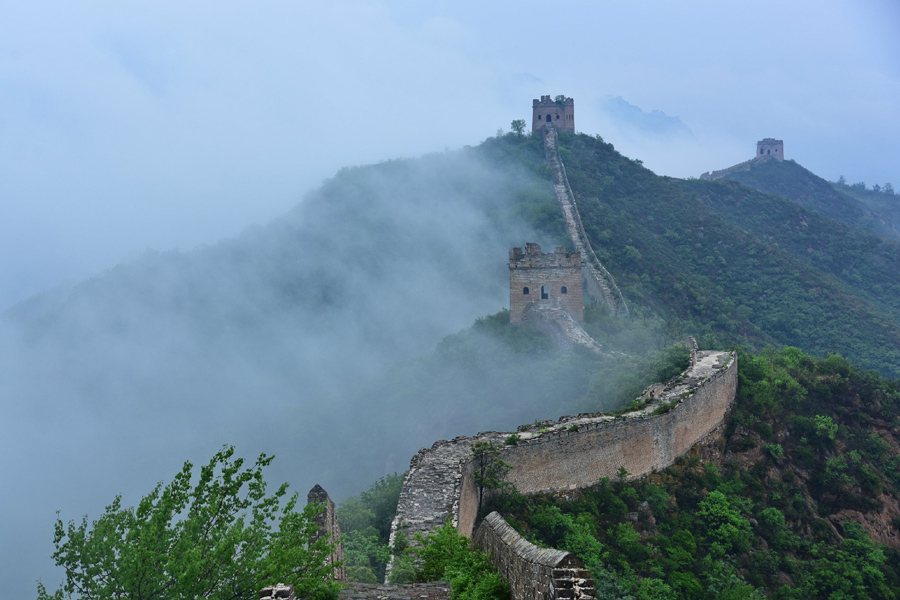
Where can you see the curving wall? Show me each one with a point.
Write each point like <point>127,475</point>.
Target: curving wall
<point>573,452</point>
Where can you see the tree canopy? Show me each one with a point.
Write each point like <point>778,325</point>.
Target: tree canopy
<point>212,539</point>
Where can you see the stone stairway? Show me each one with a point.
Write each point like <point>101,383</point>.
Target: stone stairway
<point>574,583</point>
<point>552,319</point>
<point>599,282</point>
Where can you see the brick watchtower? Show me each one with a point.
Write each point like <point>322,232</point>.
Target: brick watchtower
<point>770,147</point>
<point>535,277</point>
<point>561,113</point>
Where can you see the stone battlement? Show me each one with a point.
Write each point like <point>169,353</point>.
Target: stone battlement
<point>534,258</point>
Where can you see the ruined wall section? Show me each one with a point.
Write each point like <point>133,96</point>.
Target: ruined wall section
<point>573,452</point>
<point>433,487</point>
<point>328,528</point>
<point>533,573</point>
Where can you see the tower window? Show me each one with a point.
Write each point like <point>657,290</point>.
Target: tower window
<point>768,152</point>
<point>557,117</point>
<point>544,293</point>
<point>563,290</point>
<point>548,118</point>
<point>761,151</point>
<point>525,291</point>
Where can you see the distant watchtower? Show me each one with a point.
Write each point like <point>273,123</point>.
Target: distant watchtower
<point>770,147</point>
<point>561,113</point>
<point>535,277</point>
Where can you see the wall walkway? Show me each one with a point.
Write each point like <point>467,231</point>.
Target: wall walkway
<point>598,281</point>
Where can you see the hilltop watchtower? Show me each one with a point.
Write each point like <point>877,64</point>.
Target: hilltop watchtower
<point>559,112</point>
<point>770,147</point>
<point>538,277</point>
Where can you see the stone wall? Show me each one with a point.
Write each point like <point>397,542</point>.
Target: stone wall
<point>328,529</point>
<point>599,282</point>
<point>533,573</point>
<point>536,277</point>
<point>547,110</point>
<point>573,452</point>
<point>583,451</point>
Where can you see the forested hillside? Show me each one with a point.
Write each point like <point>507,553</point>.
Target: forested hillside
<point>364,325</point>
<point>862,209</point>
<point>732,264</point>
<point>799,500</point>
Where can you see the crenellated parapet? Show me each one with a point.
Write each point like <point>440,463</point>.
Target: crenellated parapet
<point>550,112</point>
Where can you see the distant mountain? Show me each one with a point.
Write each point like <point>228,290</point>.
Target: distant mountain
<point>882,201</point>
<point>735,265</point>
<point>792,181</point>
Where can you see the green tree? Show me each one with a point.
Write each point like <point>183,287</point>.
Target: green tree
<point>215,539</point>
<point>490,469</point>
<point>518,126</point>
<point>365,521</point>
<point>725,528</point>
<point>447,555</point>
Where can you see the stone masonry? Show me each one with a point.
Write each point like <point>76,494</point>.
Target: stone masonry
<point>535,277</point>
<point>559,114</point>
<point>328,529</point>
<point>533,573</point>
<point>277,592</point>
<point>434,590</point>
<point>770,147</point>
<point>573,452</point>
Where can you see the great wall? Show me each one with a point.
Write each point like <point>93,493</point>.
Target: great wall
<point>573,452</point>
<point>550,457</point>
<point>599,283</point>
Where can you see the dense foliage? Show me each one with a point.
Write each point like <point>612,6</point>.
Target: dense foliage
<point>858,208</point>
<point>797,502</point>
<point>445,555</point>
<point>212,539</point>
<point>365,522</point>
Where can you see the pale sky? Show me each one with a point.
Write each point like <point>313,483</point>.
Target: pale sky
<point>127,126</point>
